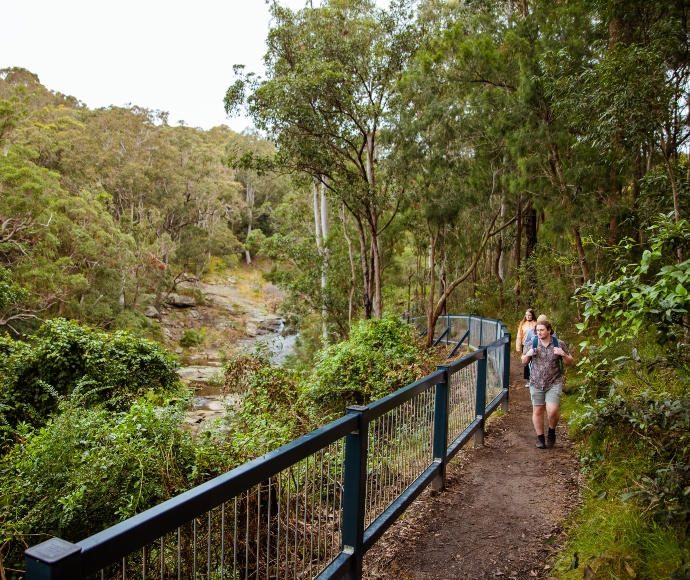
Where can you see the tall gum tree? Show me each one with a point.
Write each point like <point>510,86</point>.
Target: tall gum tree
<point>331,72</point>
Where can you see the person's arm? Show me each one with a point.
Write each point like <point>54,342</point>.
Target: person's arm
<point>564,354</point>
<point>518,341</point>
<point>527,356</point>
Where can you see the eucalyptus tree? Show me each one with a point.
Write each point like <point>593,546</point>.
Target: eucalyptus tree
<point>629,99</point>
<point>449,139</point>
<point>331,72</point>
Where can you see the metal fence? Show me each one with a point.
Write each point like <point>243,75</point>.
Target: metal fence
<point>312,508</point>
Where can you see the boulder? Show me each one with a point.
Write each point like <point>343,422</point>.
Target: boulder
<point>151,312</point>
<point>180,301</point>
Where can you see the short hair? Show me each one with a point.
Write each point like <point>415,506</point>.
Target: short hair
<point>546,324</point>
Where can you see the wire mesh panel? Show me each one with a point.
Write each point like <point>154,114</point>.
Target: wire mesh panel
<point>489,331</point>
<point>475,331</point>
<point>494,373</point>
<point>458,327</point>
<point>287,527</point>
<point>462,390</point>
<point>400,449</point>
<point>441,325</point>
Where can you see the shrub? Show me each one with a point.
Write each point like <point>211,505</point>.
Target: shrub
<point>190,338</point>
<point>88,469</point>
<point>379,357</point>
<point>64,356</point>
<point>271,413</point>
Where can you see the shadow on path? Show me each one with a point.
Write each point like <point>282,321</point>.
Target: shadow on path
<point>500,514</point>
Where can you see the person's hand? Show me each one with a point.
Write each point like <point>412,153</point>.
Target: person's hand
<point>559,351</point>
<point>531,352</point>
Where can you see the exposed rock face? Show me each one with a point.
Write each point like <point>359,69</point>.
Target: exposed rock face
<point>252,329</point>
<point>151,312</point>
<point>180,301</point>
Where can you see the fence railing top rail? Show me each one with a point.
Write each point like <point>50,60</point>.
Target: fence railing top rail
<point>382,406</point>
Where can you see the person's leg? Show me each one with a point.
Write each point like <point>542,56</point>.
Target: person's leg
<point>538,406</point>
<point>552,398</point>
<point>553,412</point>
<point>538,418</point>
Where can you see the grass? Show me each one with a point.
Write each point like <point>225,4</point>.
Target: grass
<point>612,538</point>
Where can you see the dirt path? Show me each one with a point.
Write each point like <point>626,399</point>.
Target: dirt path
<point>501,512</point>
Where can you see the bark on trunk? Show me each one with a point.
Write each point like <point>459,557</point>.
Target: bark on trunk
<point>366,277</point>
<point>353,274</point>
<point>435,311</point>
<point>581,253</point>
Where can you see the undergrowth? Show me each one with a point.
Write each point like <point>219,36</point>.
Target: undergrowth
<point>634,446</point>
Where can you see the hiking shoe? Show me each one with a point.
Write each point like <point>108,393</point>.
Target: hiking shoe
<point>540,442</point>
<point>551,439</point>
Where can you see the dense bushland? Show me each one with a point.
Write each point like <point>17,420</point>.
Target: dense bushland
<point>461,156</point>
<point>107,445</point>
<point>66,360</point>
<point>632,415</point>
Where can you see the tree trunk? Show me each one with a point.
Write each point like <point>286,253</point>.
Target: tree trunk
<point>324,248</point>
<point>530,231</point>
<point>498,273</point>
<point>366,276</point>
<point>377,275</point>
<point>674,187</point>
<point>435,311</point>
<point>353,274</point>
<point>431,324</point>
<point>250,206</point>
<point>518,253</point>
<point>319,229</point>
<point>581,253</point>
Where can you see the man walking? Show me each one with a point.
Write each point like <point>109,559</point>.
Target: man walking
<point>546,381</point>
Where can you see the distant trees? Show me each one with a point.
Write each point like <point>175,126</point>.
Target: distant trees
<point>100,206</point>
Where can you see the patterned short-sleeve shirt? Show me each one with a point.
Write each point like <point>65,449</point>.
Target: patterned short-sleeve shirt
<point>546,371</point>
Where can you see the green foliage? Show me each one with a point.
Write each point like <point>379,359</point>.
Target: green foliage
<point>10,294</point>
<point>658,428</point>
<point>191,337</point>
<point>633,455</point>
<point>271,412</point>
<point>652,294</point>
<point>90,468</point>
<point>379,357</point>
<point>65,357</point>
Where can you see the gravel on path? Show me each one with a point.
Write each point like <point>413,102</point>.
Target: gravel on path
<point>501,513</point>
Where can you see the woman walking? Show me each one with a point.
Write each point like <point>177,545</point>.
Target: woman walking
<point>527,323</point>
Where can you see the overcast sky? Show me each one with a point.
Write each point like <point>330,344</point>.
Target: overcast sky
<point>167,55</point>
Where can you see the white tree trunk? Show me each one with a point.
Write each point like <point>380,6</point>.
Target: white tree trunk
<point>250,205</point>
<point>324,249</point>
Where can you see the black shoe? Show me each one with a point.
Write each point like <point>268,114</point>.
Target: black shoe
<point>551,439</point>
<point>540,442</point>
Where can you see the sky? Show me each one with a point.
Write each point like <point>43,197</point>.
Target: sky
<point>167,55</point>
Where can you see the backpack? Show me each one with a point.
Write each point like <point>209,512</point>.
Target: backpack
<point>554,340</point>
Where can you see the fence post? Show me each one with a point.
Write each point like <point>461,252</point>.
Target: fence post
<point>506,373</point>
<point>54,559</point>
<point>481,399</point>
<point>441,428</point>
<point>354,492</point>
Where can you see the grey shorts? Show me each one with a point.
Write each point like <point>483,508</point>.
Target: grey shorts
<point>550,395</point>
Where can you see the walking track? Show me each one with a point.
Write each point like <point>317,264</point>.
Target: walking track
<point>500,515</point>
